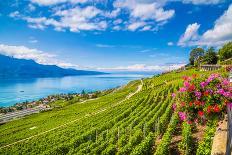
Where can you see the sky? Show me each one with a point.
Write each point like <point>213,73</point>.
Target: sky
<point>112,35</point>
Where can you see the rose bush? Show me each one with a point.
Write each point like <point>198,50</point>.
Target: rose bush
<point>203,97</point>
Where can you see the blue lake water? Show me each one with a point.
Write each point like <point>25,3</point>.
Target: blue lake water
<point>19,90</point>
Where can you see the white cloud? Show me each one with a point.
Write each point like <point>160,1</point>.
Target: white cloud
<point>221,32</point>
<point>33,41</point>
<point>170,43</point>
<point>41,57</point>
<point>117,21</point>
<point>104,46</point>
<point>197,2</point>
<point>77,19</point>
<point>191,34</point>
<point>54,2</point>
<point>74,19</point>
<point>14,14</point>
<point>217,36</point>
<point>117,28</point>
<point>146,28</point>
<point>143,67</point>
<point>113,13</point>
<point>31,7</point>
<point>134,26</point>
<point>23,52</point>
<point>89,15</point>
<point>151,11</point>
<point>144,51</point>
<point>144,13</point>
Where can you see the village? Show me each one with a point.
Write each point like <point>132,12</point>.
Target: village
<point>45,104</point>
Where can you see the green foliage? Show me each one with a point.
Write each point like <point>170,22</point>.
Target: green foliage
<point>205,145</point>
<point>185,146</point>
<point>163,147</point>
<point>111,149</point>
<point>210,56</point>
<point>195,55</point>
<point>60,150</point>
<point>145,147</point>
<point>225,52</point>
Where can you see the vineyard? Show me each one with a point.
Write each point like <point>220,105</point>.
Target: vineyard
<point>127,121</point>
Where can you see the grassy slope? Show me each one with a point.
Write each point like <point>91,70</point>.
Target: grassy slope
<point>124,128</point>
<point>20,129</point>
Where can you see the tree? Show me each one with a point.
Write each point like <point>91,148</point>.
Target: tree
<point>225,52</point>
<point>195,55</point>
<point>83,92</point>
<point>210,56</point>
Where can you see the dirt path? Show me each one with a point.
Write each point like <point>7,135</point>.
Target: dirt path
<point>86,116</point>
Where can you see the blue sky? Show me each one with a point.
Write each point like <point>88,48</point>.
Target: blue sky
<point>131,35</point>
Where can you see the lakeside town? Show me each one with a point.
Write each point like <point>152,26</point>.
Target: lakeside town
<point>19,110</point>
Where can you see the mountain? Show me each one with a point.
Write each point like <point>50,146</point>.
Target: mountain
<point>12,68</point>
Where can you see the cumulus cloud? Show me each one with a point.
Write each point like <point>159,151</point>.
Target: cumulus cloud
<point>221,32</point>
<point>151,11</point>
<point>135,26</point>
<point>143,67</point>
<point>93,15</point>
<point>190,35</point>
<point>54,2</point>
<point>89,15</point>
<point>146,28</point>
<point>41,57</point>
<point>143,13</point>
<point>197,2</point>
<point>117,21</point>
<point>216,36</point>
<point>74,19</point>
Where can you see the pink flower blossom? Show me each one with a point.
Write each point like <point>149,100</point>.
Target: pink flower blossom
<point>210,91</point>
<point>218,86</point>
<point>198,94</point>
<point>173,95</point>
<point>230,88</point>
<point>221,91</point>
<point>182,89</point>
<point>186,78</point>
<point>174,106</point>
<point>186,84</point>
<point>212,77</point>
<point>227,94</point>
<point>225,82</point>
<point>182,116</point>
<point>196,120</point>
<point>203,84</point>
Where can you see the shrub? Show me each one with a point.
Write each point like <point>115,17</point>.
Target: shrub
<point>200,99</point>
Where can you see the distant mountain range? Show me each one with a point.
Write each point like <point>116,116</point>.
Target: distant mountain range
<point>20,68</point>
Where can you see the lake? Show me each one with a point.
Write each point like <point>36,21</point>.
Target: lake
<point>20,90</point>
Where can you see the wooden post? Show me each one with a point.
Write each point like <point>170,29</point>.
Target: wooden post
<point>96,135</point>
<point>229,134</point>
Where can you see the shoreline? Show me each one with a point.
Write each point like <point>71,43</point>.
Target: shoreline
<point>19,91</point>
<point>50,102</point>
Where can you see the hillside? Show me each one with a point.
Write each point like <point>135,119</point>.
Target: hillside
<point>21,68</point>
<point>137,119</point>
